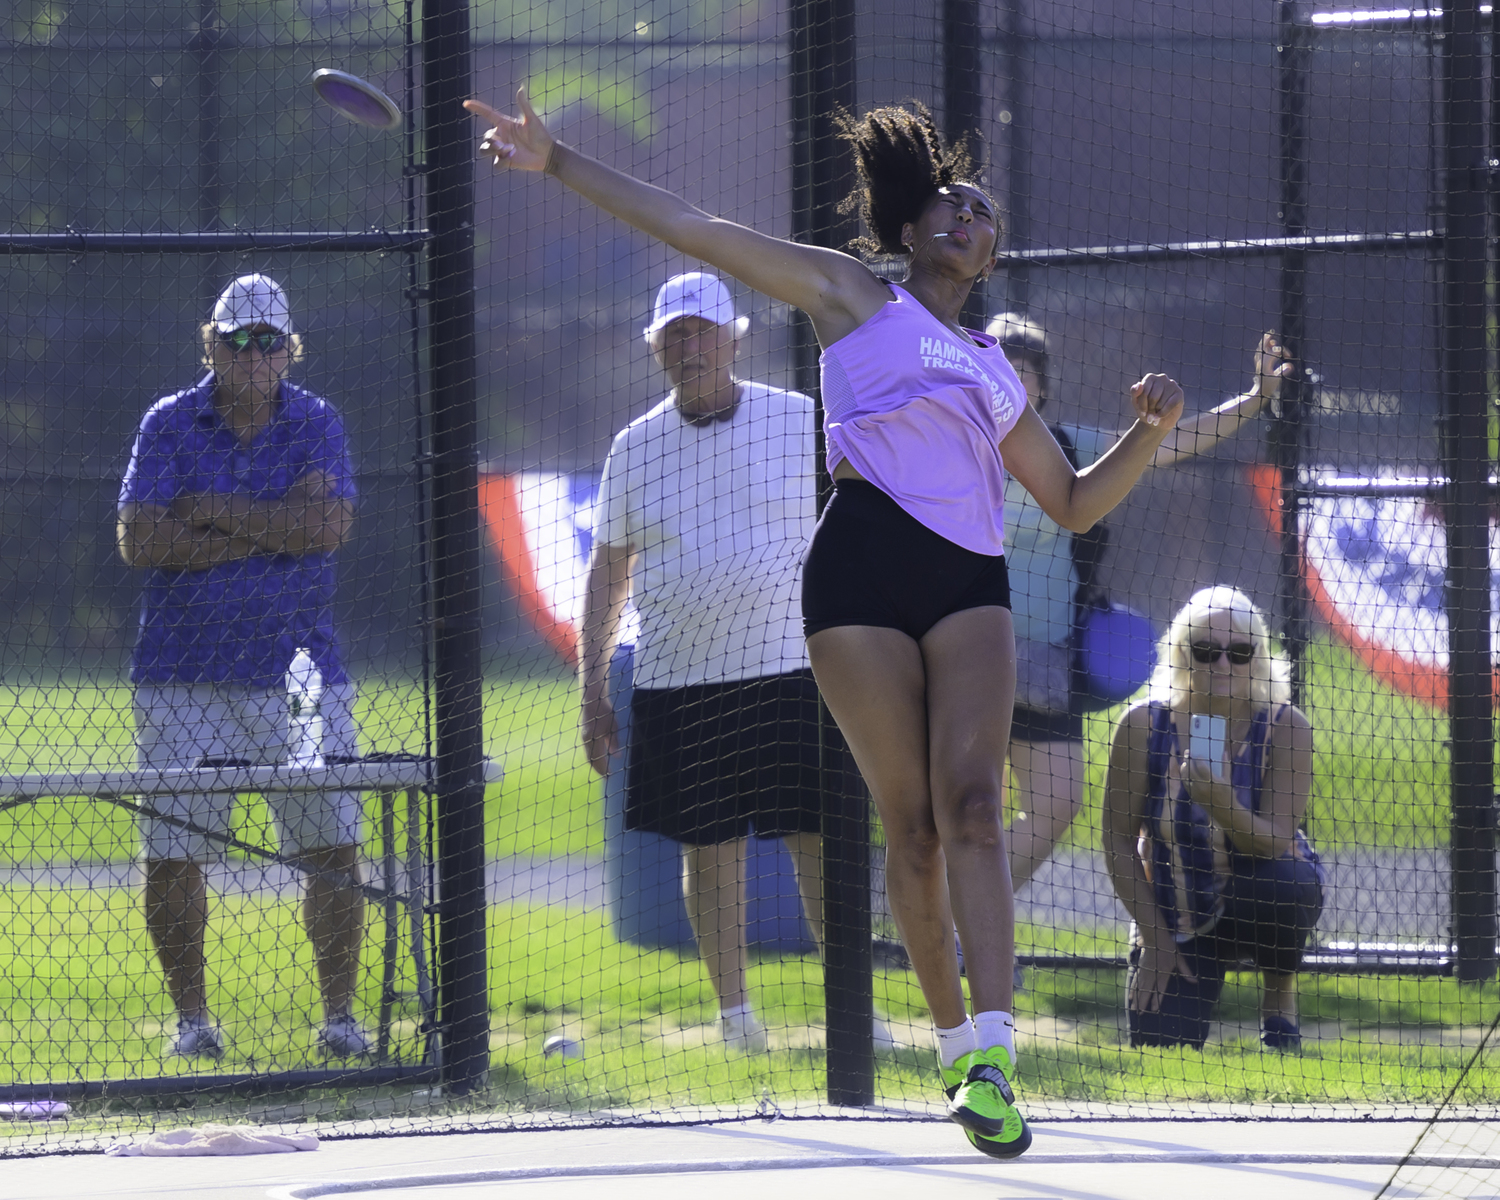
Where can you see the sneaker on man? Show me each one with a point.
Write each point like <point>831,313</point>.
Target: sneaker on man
<point>1278,1033</point>
<point>743,1034</point>
<point>197,1037</point>
<point>985,1105</point>
<point>884,1037</point>
<point>344,1037</point>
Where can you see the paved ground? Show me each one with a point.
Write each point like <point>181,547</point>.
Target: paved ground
<point>1371,894</point>
<point>751,1160</point>
<point>572,882</point>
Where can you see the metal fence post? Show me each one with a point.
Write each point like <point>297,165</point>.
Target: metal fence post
<point>1014,117</point>
<point>963,111</point>
<point>1466,511</point>
<point>457,676</point>
<point>1287,432</point>
<point>822,84</point>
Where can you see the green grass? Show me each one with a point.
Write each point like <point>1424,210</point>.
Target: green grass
<point>82,999</point>
<point>1381,763</point>
<point>80,996</point>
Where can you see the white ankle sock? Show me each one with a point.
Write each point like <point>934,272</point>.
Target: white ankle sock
<point>954,1043</point>
<point>739,1010</point>
<point>996,1028</point>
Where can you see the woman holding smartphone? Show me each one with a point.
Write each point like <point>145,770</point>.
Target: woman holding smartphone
<point>1204,803</point>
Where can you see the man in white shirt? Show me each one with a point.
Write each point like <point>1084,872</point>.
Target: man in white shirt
<point>705,510</point>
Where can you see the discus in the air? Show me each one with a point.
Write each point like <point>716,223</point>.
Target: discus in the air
<point>358,99</point>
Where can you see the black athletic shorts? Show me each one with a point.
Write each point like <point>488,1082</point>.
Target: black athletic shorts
<point>714,762</point>
<point>873,563</point>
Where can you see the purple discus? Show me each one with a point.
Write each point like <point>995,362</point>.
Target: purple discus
<point>358,100</point>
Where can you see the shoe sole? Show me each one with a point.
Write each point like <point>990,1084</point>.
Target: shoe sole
<point>997,1149</point>
<point>990,1130</point>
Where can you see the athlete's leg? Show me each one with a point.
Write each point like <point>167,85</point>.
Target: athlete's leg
<point>970,662</point>
<point>875,684</point>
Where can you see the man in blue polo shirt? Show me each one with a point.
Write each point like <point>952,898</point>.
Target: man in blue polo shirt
<point>239,491</point>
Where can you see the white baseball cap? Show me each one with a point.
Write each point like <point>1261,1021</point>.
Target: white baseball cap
<point>252,300</point>
<point>696,294</point>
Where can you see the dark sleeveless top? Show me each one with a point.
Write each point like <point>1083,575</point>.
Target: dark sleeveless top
<point>1189,890</point>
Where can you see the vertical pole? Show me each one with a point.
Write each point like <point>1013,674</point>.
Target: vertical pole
<point>1465,440</point>
<point>205,48</point>
<point>822,174</point>
<point>1012,117</point>
<point>1287,432</point>
<point>963,110</point>
<point>462,979</point>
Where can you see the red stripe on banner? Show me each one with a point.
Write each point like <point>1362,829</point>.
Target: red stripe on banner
<point>1421,681</point>
<point>501,508</point>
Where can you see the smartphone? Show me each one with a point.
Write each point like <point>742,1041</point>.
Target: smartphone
<point>1206,742</point>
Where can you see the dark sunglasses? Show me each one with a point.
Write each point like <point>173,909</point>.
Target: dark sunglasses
<point>240,340</point>
<point>1239,653</point>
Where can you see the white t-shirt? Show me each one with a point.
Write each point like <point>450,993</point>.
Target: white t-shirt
<point>719,517</point>
<point>1039,552</point>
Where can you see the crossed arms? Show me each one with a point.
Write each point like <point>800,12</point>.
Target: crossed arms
<point>205,529</point>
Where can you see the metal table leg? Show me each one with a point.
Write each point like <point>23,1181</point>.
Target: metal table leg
<point>391,906</point>
<point>416,872</point>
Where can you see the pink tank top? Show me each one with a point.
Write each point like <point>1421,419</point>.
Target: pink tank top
<point>920,412</point>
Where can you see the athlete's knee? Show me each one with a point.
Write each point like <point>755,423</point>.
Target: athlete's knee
<point>914,851</point>
<point>971,818</point>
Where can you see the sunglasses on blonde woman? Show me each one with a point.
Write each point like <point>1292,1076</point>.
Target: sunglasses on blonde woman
<point>1239,653</point>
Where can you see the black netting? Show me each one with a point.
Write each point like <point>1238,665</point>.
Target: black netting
<point>1207,191</point>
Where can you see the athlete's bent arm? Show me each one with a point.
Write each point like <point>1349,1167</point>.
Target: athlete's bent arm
<point>1076,500</point>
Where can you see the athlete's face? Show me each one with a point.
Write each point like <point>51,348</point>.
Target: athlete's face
<point>958,228</point>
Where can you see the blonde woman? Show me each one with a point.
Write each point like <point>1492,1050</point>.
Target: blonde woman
<point>1209,857</point>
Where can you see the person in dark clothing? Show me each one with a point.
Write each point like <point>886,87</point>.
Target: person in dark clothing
<point>1210,857</point>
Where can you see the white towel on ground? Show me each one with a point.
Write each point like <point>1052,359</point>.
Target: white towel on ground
<point>216,1139</point>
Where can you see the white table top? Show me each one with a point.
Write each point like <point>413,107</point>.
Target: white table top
<point>360,776</point>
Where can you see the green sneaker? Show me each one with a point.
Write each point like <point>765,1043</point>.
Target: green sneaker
<point>985,1105</point>
<point>953,1079</point>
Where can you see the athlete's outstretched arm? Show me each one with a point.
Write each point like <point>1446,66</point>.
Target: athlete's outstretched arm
<point>836,290</point>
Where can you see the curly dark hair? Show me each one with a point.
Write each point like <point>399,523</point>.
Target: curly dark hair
<point>902,159</point>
